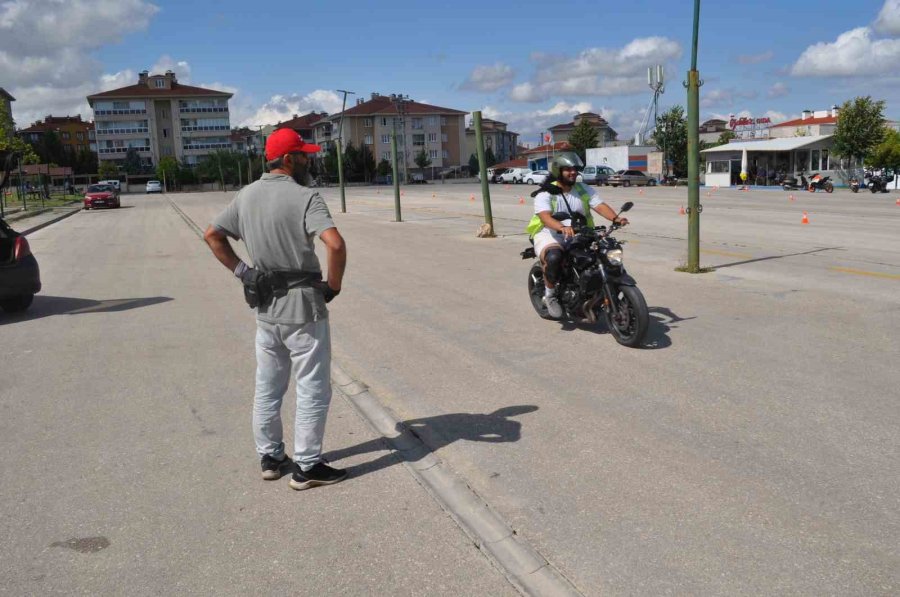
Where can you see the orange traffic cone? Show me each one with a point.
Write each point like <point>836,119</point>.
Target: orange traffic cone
<point>898,202</point>
<point>681,211</point>
<point>471,197</point>
<point>522,201</point>
<point>805,219</point>
<point>402,193</point>
<point>791,196</point>
<point>641,192</point>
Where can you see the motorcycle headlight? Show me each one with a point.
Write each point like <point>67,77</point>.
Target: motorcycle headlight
<point>614,256</point>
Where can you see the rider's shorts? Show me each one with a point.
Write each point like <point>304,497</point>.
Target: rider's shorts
<point>546,238</point>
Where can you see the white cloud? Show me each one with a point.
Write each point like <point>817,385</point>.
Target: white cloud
<point>779,89</point>
<point>756,58</point>
<point>724,97</point>
<point>283,107</point>
<point>529,124</point>
<point>888,21</point>
<point>45,51</point>
<point>489,78</point>
<point>853,53</point>
<point>165,63</point>
<point>603,72</point>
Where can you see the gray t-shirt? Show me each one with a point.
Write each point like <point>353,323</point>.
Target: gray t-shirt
<point>279,220</point>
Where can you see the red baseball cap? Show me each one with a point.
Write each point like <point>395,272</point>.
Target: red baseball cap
<point>284,141</point>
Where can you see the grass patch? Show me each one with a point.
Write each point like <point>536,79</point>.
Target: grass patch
<point>683,268</point>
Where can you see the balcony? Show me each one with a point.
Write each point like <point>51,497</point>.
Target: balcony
<point>119,112</point>
<point>103,132</point>
<point>221,127</point>
<point>201,110</point>
<point>115,150</point>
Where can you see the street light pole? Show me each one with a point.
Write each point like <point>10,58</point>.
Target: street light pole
<point>340,149</point>
<point>693,125</point>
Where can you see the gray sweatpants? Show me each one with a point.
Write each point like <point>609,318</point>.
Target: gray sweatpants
<point>306,347</point>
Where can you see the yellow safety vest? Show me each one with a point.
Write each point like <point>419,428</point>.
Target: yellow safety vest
<point>536,225</point>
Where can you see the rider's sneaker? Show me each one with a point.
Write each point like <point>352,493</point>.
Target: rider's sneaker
<point>319,474</point>
<point>554,309</point>
<point>271,467</point>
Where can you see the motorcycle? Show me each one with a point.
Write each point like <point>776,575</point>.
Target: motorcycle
<point>820,183</point>
<point>854,184</point>
<point>791,184</point>
<point>594,282</point>
<point>878,183</point>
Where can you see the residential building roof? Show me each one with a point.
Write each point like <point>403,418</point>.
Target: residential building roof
<point>141,90</point>
<point>589,116</point>
<point>516,163</point>
<point>4,93</point>
<point>807,121</point>
<point>307,121</point>
<point>386,104</point>
<point>785,144</point>
<point>32,169</point>
<point>53,122</point>
<point>559,146</point>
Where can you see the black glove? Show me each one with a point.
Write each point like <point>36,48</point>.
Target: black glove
<point>328,293</point>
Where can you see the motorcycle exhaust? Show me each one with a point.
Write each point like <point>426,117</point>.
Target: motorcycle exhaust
<point>588,308</point>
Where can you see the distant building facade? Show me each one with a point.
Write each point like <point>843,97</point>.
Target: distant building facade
<point>605,133</point>
<point>160,117</point>
<point>502,143</point>
<point>73,133</point>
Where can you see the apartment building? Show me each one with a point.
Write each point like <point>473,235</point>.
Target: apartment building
<point>605,133</point>
<point>73,133</point>
<point>439,131</point>
<point>160,117</point>
<point>303,125</point>
<point>502,143</point>
<point>7,100</point>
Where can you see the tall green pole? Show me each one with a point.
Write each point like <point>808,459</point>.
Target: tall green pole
<point>482,168</point>
<point>693,130</point>
<point>340,157</point>
<point>397,217</point>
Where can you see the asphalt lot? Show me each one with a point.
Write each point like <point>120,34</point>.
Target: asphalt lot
<point>751,447</point>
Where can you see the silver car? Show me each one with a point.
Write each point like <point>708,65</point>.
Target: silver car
<point>627,178</point>
<point>597,174</point>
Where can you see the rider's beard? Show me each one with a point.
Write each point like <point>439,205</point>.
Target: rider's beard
<point>300,173</point>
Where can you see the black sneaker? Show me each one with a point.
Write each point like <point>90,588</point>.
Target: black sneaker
<point>319,474</point>
<point>271,468</point>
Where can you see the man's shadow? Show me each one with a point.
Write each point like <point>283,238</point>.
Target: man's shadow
<point>435,433</point>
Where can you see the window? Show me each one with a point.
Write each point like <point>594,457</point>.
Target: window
<point>432,137</point>
<point>368,140</point>
<point>443,121</point>
<point>165,133</point>
<point>160,83</point>
<point>386,155</point>
<point>720,167</point>
<point>384,121</point>
<point>418,140</point>
<point>79,136</point>
<point>432,120</point>
<point>446,154</point>
<point>815,159</point>
<point>417,123</point>
<point>367,123</point>
<point>432,154</point>
<point>386,139</point>
<point>66,136</point>
<point>825,164</point>
<point>443,137</point>
<point>802,160</point>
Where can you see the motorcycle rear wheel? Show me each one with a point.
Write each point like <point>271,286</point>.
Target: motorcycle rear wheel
<point>629,323</point>
<point>536,290</point>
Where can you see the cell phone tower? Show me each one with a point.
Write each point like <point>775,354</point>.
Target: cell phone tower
<point>656,80</point>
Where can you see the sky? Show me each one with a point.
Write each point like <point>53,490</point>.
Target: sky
<point>530,64</point>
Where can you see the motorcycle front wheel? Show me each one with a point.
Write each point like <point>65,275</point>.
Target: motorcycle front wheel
<point>829,188</point>
<point>536,290</point>
<point>628,319</point>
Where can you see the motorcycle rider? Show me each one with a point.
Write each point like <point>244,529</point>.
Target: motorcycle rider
<point>552,237</point>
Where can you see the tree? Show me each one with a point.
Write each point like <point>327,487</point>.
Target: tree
<point>8,140</point>
<point>366,162</point>
<point>670,135</point>
<point>725,137</point>
<point>582,138</point>
<point>489,158</point>
<point>167,170</point>
<point>473,164</point>
<point>887,153</point>
<point>860,127</point>
<point>422,160</point>
<point>384,168</point>
<point>108,171</point>
<point>132,163</point>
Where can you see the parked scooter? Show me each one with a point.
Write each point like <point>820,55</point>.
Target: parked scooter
<point>854,184</point>
<point>820,183</point>
<point>791,184</point>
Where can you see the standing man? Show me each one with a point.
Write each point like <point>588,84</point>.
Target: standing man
<point>278,218</point>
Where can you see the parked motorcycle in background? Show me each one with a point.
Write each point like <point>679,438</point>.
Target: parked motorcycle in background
<point>878,182</point>
<point>791,183</point>
<point>820,183</point>
<point>854,184</point>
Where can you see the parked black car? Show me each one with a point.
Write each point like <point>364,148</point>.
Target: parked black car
<point>20,277</point>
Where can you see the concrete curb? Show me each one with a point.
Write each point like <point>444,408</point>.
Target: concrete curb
<point>523,565</point>
<point>48,222</point>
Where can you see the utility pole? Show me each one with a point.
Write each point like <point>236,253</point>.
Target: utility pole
<point>482,169</point>
<point>693,125</point>
<point>340,149</point>
<point>396,178</point>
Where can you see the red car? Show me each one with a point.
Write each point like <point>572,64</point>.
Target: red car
<point>101,195</point>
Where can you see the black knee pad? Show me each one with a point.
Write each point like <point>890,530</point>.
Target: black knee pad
<point>553,263</point>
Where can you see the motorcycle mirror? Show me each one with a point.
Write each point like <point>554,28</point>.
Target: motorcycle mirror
<point>628,205</point>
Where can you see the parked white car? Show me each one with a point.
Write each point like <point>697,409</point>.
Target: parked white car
<point>112,183</point>
<point>154,186</point>
<point>514,175</point>
<point>536,176</point>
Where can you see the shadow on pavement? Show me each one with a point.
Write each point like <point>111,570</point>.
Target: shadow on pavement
<point>661,320</point>
<point>437,432</point>
<point>745,262</point>
<point>45,306</point>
